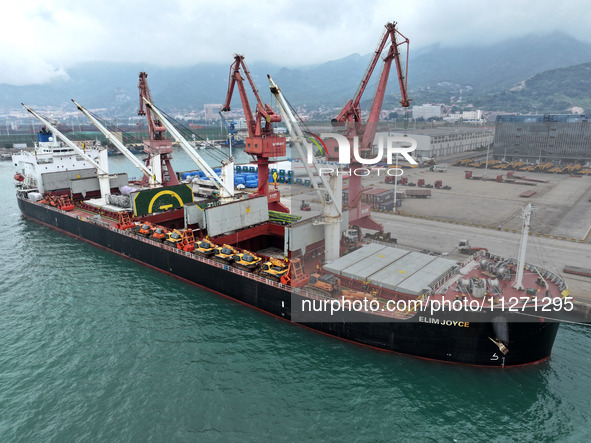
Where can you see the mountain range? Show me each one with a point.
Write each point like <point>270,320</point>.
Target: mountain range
<point>535,73</point>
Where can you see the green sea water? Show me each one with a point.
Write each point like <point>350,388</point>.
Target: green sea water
<point>94,347</point>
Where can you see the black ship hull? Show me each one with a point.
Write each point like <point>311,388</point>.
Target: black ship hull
<point>528,342</point>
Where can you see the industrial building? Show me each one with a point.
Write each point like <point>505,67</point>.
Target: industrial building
<point>437,142</point>
<point>212,111</point>
<point>472,116</point>
<point>550,137</point>
<point>426,111</point>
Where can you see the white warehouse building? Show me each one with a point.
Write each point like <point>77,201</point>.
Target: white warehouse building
<point>426,111</point>
<point>438,142</point>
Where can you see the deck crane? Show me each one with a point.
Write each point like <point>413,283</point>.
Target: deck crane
<point>350,117</point>
<point>261,141</point>
<point>102,167</point>
<point>331,189</point>
<point>151,177</point>
<point>225,184</point>
<point>158,147</point>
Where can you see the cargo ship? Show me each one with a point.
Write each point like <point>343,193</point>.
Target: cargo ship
<point>235,248</point>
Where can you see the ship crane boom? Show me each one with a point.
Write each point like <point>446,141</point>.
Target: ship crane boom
<point>126,152</point>
<point>302,145</point>
<point>226,187</point>
<point>331,191</point>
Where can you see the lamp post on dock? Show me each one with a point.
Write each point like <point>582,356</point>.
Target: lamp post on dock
<point>486,165</point>
<point>396,185</point>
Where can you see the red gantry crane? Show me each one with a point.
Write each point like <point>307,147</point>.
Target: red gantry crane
<point>261,141</point>
<point>350,116</point>
<point>158,147</point>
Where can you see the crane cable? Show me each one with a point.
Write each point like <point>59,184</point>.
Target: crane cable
<point>216,153</point>
<point>126,137</point>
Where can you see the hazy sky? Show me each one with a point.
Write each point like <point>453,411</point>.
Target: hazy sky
<point>41,39</point>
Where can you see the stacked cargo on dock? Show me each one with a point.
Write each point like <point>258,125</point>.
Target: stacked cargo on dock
<point>376,197</point>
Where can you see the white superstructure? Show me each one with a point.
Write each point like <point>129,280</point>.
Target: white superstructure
<point>53,164</point>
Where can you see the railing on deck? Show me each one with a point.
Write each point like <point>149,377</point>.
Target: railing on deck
<point>241,272</point>
<point>552,276</point>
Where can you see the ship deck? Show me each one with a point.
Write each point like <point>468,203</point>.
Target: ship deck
<point>486,279</point>
<point>383,273</point>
